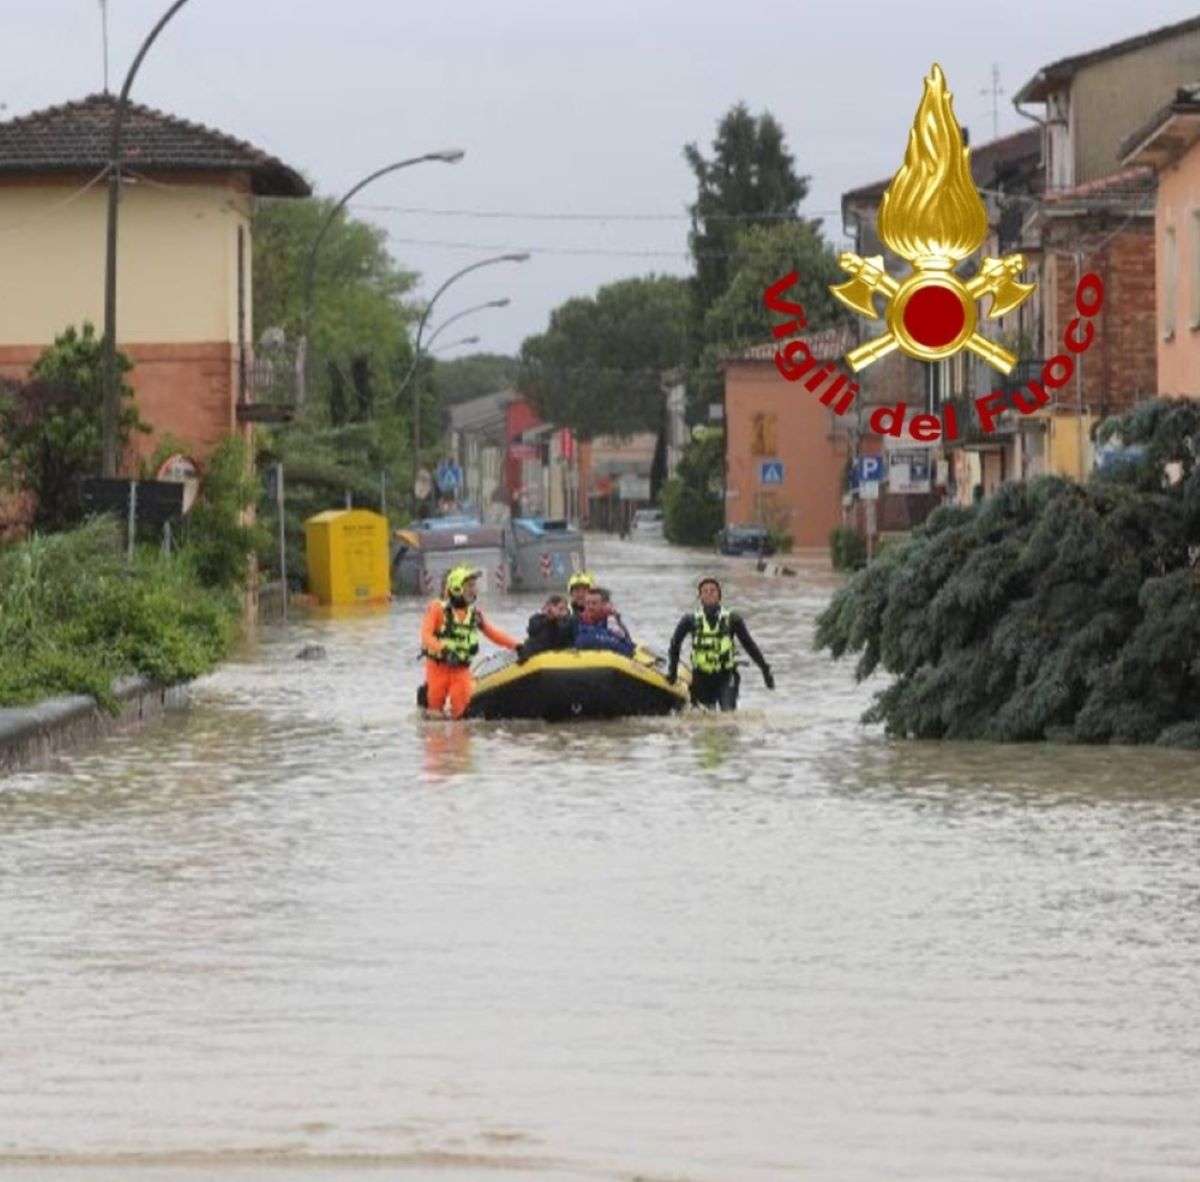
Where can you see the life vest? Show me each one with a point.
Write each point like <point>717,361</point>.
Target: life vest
<point>712,647</point>
<point>460,637</point>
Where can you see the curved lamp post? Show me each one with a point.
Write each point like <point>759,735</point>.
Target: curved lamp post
<point>111,405</point>
<point>448,156</point>
<point>452,344</point>
<point>445,324</point>
<point>517,257</point>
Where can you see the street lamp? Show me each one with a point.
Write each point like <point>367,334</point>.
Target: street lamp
<point>111,409</point>
<point>501,303</point>
<point>517,257</point>
<point>453,345</point>
<point>448,156</point>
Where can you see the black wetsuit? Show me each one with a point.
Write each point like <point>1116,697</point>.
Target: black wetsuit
<point>717,689</point>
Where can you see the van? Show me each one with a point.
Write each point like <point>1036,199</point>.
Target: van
<point>647,523</point>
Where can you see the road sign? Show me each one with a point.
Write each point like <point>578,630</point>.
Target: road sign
<point>770,472</point>
<point>449,477</point>
<point>870,490</point>
<point>867,469</point>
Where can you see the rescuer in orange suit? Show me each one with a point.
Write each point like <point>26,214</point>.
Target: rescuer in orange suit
<point>449,641</point>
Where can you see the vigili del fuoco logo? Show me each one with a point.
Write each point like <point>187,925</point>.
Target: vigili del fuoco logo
<point>933,217</point>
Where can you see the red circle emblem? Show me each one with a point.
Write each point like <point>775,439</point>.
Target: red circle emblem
<point>934,316</point>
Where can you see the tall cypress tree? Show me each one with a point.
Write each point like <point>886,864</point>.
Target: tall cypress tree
<point>750,180</point>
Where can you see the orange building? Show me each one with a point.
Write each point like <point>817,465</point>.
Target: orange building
<point>184,259</point>
<point>786,453</point>
<point>1170,143</point>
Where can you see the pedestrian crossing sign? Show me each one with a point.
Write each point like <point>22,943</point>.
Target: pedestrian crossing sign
<point>770,472</point>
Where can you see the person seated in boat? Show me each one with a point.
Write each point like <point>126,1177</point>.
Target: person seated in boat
<point>577,589</point>
<point>614,617</point>
<point>450,639</point>
<point>600,627</point>
<point>551,628</point>
<point>713,629</point>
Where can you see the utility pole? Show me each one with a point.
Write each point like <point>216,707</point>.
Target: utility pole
<point>996,90</point>
<point>112,398</point>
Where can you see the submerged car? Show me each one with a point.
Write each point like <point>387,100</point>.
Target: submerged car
<point>647,523</point>
<point>744,539</point>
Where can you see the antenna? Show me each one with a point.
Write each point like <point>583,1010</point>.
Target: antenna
<point>995,91</point>
<point>104,38</point>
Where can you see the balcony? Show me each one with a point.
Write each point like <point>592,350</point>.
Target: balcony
<point>971,434</point>
<point>269,380</point>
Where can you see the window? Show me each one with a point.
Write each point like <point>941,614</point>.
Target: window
<point>1169,282</point>
<point>762,436</point>
<point>1194,310</point>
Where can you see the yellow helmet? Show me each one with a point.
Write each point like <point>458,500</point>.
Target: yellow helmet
<point>581,578</point>
<point>458,578</point>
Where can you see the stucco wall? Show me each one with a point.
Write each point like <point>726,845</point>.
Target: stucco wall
<point>176,263</point>
<point>1179,207</point>
<point>810,497</point>
<point>1112,98</point>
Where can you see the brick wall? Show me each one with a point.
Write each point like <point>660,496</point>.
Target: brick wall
<point>1121,367</point>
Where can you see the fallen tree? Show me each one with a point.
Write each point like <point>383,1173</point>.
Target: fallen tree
<point>1052,610</point>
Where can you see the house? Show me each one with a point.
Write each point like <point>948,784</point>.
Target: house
<point>478,444</point>
<point>787,454</point>
<point>1092,100</point>
<point>184,257</point>
<point>1169,143</point>
<point>1008,174</point>
<point>1098,216</point>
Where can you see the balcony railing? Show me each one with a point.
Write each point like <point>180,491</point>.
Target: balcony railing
<point>971,434</point>
<point>269,382</point>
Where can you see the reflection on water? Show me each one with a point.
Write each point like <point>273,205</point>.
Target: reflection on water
<point>300,926</point>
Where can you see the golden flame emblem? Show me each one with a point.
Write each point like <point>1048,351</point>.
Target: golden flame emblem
<point>932,215</point>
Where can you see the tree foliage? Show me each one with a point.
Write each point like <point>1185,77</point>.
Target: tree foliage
<point>1052,610</point>
<point>693,509</point>
<point>473,376</point>
<point>51,427</point>
<point>358,300</point>
<point>750,179</point>
<point>599,366</point>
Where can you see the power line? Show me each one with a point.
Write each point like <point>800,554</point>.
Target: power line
<point>546,216</point>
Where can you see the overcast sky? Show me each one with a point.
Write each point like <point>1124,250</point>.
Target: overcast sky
<point>563,108</point>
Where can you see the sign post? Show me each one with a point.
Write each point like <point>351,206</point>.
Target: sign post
<point>283,583</point>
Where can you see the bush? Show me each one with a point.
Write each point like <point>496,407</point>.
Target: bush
<point>217,541</point>
<point>690,517</point>
<point>1051,610</point>
<point>51,430</point>
<point>73,618</point>
<point>847,550</point>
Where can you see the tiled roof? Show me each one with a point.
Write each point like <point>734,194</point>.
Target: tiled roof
<point>1133,182</point>
<point>986,160</point>
<point>1187,104</point>
<point>827,344</point>
<point>75,136</point>
<point>1035,90</point>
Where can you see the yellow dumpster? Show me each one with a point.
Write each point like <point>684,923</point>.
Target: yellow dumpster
<point>347,553</point>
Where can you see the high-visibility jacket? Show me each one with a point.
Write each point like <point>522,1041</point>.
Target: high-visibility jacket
<point>712,646</point>
<point>447,629</point>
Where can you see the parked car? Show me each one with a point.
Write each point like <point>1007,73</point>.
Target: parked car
<point>647,523</point>
<point>744,539</point>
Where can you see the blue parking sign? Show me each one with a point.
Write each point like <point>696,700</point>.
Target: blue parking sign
<point>770,472</point>
<point>868,469</point>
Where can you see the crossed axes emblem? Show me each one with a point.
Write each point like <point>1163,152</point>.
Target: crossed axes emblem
<point>921,316</point>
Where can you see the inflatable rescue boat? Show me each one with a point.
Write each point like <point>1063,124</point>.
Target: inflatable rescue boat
<point>576,683</point>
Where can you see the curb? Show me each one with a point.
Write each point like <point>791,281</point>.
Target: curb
<point>30,735</point>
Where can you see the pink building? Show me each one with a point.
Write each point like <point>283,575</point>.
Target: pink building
<point>1168,143</point>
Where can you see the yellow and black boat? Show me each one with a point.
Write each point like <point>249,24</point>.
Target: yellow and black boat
<point>563,684</point>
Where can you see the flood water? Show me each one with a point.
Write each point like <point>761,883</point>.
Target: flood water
<point>296,932</point>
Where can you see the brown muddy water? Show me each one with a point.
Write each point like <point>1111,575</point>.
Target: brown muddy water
<point>296,932</point>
